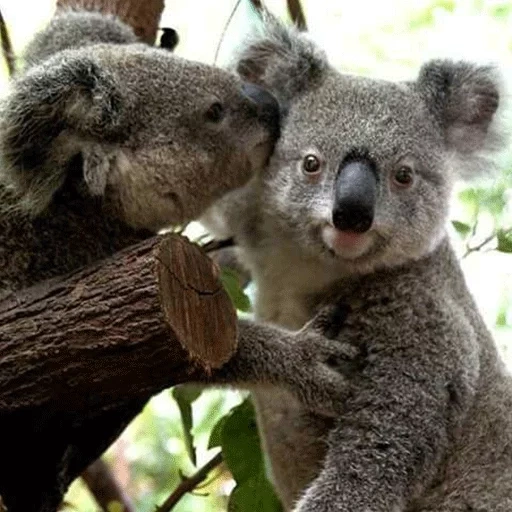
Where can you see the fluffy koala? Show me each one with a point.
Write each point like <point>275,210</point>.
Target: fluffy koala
<point>104,141</point>
<point>352,211</point>
<point>101,146</point>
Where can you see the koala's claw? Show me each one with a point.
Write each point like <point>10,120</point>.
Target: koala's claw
<point>329,320</point>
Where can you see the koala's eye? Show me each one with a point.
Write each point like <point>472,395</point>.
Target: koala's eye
<point>404,176</point>
<point>311,164</point>
<point>215,114</point>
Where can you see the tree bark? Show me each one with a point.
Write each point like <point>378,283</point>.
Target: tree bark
<point>142,16</point>
<point>80,355</point>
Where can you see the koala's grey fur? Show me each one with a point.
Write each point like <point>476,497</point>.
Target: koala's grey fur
<point>426,423</point>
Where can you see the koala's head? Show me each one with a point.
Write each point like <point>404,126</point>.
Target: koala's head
<point>363,171</point>
<point>158,137</point>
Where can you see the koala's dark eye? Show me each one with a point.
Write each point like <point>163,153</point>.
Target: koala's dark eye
<point>215,114</point>
<point>404,176</point>
<point>311,164</point>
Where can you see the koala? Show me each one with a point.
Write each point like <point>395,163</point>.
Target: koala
<point>351,212</point>
<point>103,142</point>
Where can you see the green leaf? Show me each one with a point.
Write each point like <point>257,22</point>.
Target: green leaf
<point>231,282</point>
<point>253,494</point>
<point>504,241</point>
<point>241,443</point>
<point>462,229</point>
<point>185,396</point>
<point>115,506</point>
<point>216,434</point>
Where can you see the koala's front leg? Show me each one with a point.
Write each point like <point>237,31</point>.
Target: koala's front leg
<point>310,365</point>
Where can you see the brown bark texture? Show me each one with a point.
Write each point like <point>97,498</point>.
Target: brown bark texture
<point>80,355</point>
<point>142,16</point>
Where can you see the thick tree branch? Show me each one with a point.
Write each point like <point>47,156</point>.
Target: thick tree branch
<point>80,355</point>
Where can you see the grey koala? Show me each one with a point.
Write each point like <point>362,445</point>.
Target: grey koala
<point>103,145</point>
<point>351,212</point>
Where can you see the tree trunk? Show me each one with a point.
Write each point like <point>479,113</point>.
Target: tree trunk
<point>80,355</point>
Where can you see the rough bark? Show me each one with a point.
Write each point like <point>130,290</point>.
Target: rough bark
<point>80,355</point>
<point>142,16</point>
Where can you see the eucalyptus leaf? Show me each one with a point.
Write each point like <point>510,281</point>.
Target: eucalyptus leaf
<point>231,282</point>
<point>504,241</point>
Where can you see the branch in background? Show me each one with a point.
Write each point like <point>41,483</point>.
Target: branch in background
<point>143,17</point>
<point>297,14</point>
<point>190,483</point>
<point>7,51</point>
<point>295,11</point>
<point>105,488</point>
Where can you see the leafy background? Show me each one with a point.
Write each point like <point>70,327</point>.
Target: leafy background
<point>181,430</point>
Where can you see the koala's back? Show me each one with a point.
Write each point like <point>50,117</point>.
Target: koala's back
<point>71,234</point>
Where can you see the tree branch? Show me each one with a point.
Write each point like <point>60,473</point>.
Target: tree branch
<point>143,17</point>
<point>190,483</point>
<point>297,14</point>
<point>80,355</point>
<point>104,487</point>
<point>7,51</point>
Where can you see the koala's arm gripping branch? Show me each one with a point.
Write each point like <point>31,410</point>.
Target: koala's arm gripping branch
<point>143,17</point>
<point>80,355</point>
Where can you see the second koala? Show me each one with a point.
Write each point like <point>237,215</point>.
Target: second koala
<point>352,211</point>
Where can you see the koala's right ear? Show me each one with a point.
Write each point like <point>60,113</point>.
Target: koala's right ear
<point>50,113</point>
<point>281,59</point>
<point>467,101</point>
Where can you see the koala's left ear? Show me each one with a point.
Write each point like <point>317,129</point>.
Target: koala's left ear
<point>281,59</point>
<point>464,98</point>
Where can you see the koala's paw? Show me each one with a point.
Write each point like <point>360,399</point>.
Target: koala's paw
<point>329,320</point>
<point>326,366</point>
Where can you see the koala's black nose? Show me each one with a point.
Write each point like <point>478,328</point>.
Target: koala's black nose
<point>355,196</point>
<point>267,106</point>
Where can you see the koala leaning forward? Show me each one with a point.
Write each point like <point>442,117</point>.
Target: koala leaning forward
<point>104,141</point>
<point>352,211</point>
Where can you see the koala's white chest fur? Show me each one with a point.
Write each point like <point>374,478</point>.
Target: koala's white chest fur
<point>293,439</point>
<point>285,286</point>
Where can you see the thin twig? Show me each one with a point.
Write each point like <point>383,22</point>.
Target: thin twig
<point>482,244</point>
<point>297,14</point>
<point>224,30</point>
<point>190,483</point>
<point>7,52</point>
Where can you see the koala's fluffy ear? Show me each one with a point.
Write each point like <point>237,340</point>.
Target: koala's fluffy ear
<point>282,59</point>
<point>464,99</point>
<point>51,112</point>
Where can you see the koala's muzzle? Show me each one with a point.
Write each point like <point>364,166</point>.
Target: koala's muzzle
<point>266,105</point>
<point>355,196</point>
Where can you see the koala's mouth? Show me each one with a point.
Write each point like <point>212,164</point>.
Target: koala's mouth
<point>348,245</point>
